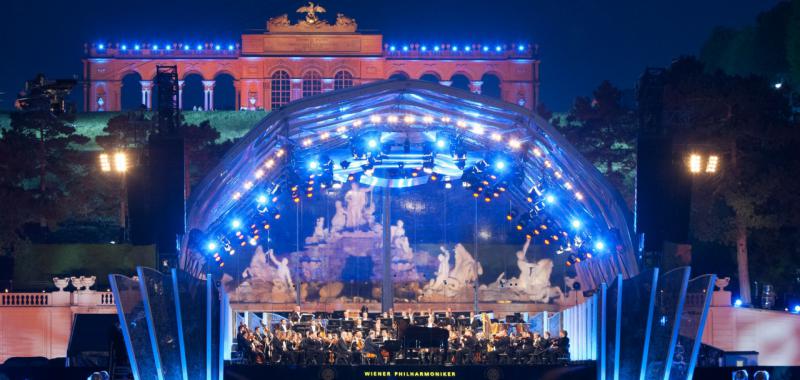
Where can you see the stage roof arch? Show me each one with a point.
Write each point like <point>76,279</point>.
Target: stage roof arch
<point>306,129</point>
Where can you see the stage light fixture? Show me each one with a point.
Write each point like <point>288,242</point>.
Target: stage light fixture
<point>186,47</point>
<point>313,165</point>
<point>467,48</point>
<point>372,143</point>
<point>423,48</point>
<point>498,48</point>
<point>217,47</point>
<point>550,199</point>
<point>521,47</point>
<point>168,47</point>
<point>230,47</point>
<point>155,46</point>
<point>124,47</point>
<point>105,163</point>
<point>599,246</point>
<point>500,165</point>
<point>436,48</point>
<point>796,309</point>
<point>236,223</point>
<point>262,199</point>
<point>441,143</point>
<point>695,162</point>
<point>576,223</point>
<point>199,47</point>
<point>136,47</point>
<point>101,47</point>
<point>120,162</point>
<point>454,48</point>
<point>392,48</point>
<point>737,303</point>
<point>485,49</point>
<point>211,246</point>
<point>405,47</point>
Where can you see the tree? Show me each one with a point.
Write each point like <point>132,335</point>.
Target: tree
<point>200,149</point>
<point>41,170</point>
<point>746,122</point>
<point>604,131</point>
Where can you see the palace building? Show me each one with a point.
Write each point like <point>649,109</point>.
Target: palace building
<point>293,60</point>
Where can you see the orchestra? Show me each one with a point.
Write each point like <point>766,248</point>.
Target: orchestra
<point>359,338</point>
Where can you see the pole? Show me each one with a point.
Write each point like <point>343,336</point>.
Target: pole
<point>387,291</point>
<point>477,264</point>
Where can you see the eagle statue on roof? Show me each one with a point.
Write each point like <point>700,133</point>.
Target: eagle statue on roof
<point>311,11</point>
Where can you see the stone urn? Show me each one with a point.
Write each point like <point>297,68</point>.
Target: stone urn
<point>88,282</point>
<point>77,282</point>
<point>61,283</point>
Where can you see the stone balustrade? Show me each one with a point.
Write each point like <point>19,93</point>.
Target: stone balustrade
<point>48,299</point>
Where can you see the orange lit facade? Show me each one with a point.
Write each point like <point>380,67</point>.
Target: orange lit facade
<point>290,61</point>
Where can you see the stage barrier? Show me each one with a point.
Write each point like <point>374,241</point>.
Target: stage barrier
<point>172,324</point>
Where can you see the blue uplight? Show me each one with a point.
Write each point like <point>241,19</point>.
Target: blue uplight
<point>211,246</point>
<point>498,48</point>
<point>521,47</point>
<point>392,48</point>
<point>372,144</point>
<point>576,223</point>
<point>441,143</point>
<point>124,47</point>
<point>185,46</point>
<point>550,199</point>
<point>236,223</point>
<point>313,165</point>
<point>467,48</point>
<point>485,48</point>
<point>424,48</point>
<point>737,303</point>
<point>217,47</point>
<point>155,47</point>
<point>230,47</point>
<point>435,48</point>
<point>405,47</point>
<point>454,48</point>
<point>101,47</point>
<point>599,246</point>
<point>136,47</point>
<point>500,165</point>
<point>262,199</point>
<point>796,309</point>
<point>199,47</point>
<point>168,47</point>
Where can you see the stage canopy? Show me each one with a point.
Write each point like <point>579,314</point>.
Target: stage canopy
<point>399,135</point>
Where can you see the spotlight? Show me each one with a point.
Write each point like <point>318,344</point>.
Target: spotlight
<point>737,303</point>
<point>155,47</point>
<point>168,47</point>
<point>101,47</point>
<point>467,48</point>
<point>186,47</point>
<point>211,246</point>
<point>405,47</point>
<point>423,48</point>
<point>455,48</point>
<point>372,143</point>
<point>599,246</point>
<point>500,165</point>
<point>236,223</point>
<point>498,48</point>
<point>217,47</point>
<point>521,47</point>
<point>550,199</point>
<point>253,241</point>
<point>313,165</point>
<point>392,48</point>
<point>199,47</point>
<point>230,47</point>
<point>436,48</point>
<point>796,309</point>
<point>124,47</point>
<point>485,49</point>
<point>262,199</point>
<point>136,47</point>
<point>441,144</point>
<point>576,223</point>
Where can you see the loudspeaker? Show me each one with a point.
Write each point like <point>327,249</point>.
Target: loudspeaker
<point>140,218</point>
<point>167,178</point>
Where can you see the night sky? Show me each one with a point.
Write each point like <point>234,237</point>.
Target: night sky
<point>582,42</point>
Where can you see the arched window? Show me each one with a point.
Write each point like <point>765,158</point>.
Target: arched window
<point>342,79</point>
<point>312,83</point>
<point>281,89</point>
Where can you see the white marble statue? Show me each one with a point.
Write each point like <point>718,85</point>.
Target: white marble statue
<point>443,272</point>
<point>319,235</point>
<point>339,220</point>
<point>259,269</point>
<point>369,214</point>
<point>356,200</point>
<point>466,269</point>
<point>526,268</point>
<point>283,275</point>
<point>400,241</point>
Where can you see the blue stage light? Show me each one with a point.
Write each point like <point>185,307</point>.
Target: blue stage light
<point>737,303</point>
<point>599,245</point>
<point>435,48</point>
<point>550,199</point>
<point>199,47</point>
<point>500,165</point>
<point>467,48</point>
<point>262,199</point>
<point>236,223</point>
<point>521,47</point>
<point>485,48</point>
<point>424,48</point>
<point>392,48</point>
<point>185,46</point>
<point>498,48</point>
<point>124,47</point>
<point>441,143</point>
<point>230,47</point>
<point>576,223</point>
<point>211,246</point>
<point>405,47</point>
<point>155,47</point>
<point>454,48</point>
<point>313,165</point>
<point>372,143</point>
<point>136,47</point>
<point>796,309</point>
<point>217,47</point>
<point>101,47</point>
<point>169,47</point>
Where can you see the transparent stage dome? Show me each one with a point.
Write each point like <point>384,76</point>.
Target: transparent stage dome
<point>461,188</point>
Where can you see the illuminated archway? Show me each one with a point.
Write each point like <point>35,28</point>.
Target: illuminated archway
<point>400,135</point>
<point>131,92</point>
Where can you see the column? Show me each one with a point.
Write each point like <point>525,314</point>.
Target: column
<point>327,84</point>
<point>147,91</point>
<point>445,82</point>
<point>475,86</point>
<point>180,95</point>
<point>208,95</point>
<point>297,89</point>
<point>237,98</point>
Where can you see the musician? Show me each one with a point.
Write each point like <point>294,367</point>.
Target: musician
<point>523,348</point>
<point>370,349</point>
<point>283,326</point>
<point>242,343</point>
<point>341,349</point>
<point>559,347</point>
<point>475,321</point>
<point>448,319</point>
<point>294,316</point>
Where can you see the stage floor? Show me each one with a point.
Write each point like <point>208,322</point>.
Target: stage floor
<point>478,372</point>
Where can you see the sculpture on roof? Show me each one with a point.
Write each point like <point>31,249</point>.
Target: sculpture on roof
<point>311,11</point>
<point>312,23</point>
